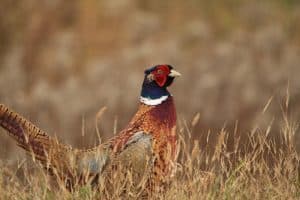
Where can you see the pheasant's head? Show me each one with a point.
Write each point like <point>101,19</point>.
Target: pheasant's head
<point>157,79</point>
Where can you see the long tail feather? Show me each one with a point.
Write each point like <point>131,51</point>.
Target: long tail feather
<point>64,161</point>
<point>38,143</point>
<point>24,132</point>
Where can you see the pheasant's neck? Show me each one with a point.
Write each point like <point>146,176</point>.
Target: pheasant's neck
<point>152,94</point>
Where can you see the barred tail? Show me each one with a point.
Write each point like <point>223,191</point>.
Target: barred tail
<point>62,160</point>
<point>35,141</point>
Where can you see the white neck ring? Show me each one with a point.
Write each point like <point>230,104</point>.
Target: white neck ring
<point>153,102</point>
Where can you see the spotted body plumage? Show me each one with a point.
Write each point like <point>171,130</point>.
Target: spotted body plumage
<point>147,145</point>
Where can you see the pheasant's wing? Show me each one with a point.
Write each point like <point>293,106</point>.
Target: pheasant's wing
<point>91,163</point>
<point>137,152</point>
<point>52,154</point>
<point>102,162</point>
<point>133,163</point>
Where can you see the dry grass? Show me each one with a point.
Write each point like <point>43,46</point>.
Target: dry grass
<point>233,55</point>
<point>61,61</point>
<point>256,167</point>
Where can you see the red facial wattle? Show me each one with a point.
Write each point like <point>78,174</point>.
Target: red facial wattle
<point>161,75</point>
<point>161,80</point>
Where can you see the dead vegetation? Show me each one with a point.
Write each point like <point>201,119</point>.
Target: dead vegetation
<point>62,61</point>
<point>257,166</point>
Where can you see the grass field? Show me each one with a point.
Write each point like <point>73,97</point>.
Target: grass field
<point>62,61</point>
<point>257,166</point>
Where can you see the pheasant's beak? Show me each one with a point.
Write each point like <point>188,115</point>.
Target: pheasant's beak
<point>174,73</point>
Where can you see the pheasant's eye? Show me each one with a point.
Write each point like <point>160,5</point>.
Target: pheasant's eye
<point>159,71</point>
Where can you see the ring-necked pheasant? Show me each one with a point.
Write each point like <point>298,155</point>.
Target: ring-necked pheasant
<point>147,146</point>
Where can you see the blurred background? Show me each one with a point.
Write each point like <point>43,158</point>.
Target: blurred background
<point>62,61</point>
